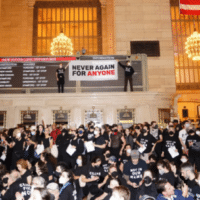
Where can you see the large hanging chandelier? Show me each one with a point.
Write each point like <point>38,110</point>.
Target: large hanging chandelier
<point>192,46</point>
<point>61,46</point>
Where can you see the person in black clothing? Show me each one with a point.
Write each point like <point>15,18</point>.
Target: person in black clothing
<point>68,190</point>
<point>188,172</point>
<point>194,156</point>
<point>129,71</point>
<point>60,77</point>
<point>165,172</point>
<point>39,134</point>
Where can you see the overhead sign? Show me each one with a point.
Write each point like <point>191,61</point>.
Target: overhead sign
<point>93,70</point>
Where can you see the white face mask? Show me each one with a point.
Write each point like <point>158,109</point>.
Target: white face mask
<point>128,150</point>
<point>18,135</point>
<point>62,180</point>
<point>79,161</point>
<point>161,171</point>
<point>95,132</point>
<point>183,160</point>
<point>32,132</point>
<point>199,182</point>
<point>198,133</point>
<point>187,125</point>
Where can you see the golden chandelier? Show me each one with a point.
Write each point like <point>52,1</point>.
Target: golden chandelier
<point>192,46</point>
<point>61,46</point>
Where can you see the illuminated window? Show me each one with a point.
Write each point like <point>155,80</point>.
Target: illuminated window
<point>80,21</point>
<point>187,72</point>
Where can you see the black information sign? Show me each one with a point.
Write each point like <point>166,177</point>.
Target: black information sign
<point>31,74</point>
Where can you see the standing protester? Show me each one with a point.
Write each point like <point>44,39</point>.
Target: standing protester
<point>129,71</point>
<point>55,132</point>
<point>194,154</point>
<point>183,135</point>
<point>60,77</point>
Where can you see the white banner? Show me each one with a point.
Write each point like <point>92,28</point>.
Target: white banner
<point>93,70</point>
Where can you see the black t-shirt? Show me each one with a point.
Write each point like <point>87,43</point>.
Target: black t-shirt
<point>60,73</point>
<point>192,138</point>
<point>46,142</point>
<point>99,141</point>
<point>39,137</point>
<point>78,143</point>
<point>193,189</point>
<point>171,142</point>
<point>124,158</point>
<point>18,145</point>
<point>135,172</point>
<point>105,135</point>
<point>25,175</point>
<point>25,190</point>
<point>89,171</point>
<point>105,166</point>
<point>89,136</point>
<point>146,141</point>
<point>129,71</point>
<point>169,177</point>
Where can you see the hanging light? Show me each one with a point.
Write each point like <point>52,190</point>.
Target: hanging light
<point>192,46</point>
<point>61,46</point>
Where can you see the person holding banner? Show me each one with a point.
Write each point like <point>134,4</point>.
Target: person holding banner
<point>60,77</point>
<point>129,71</point>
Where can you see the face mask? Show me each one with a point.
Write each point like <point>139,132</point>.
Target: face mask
<point>107,155</point>
<point>198,132</point>
<point>80,132</point>
<point>144,131</point>
<point>115,130</point>
<point>57,174</point>
<point>18,135</point>
<point>161,171</point>
<point>62,180</point>
<point>183,160</point>
<point>187,125</point>
<point>114,174</point>
<point>156,126</point>
<point>171,133</point>
<point>78,161</point>
<point>5,180</point>
<point>128,150</point>
<point>199,182</point>
<point>129,64</point>
<point>95,132</point>
<point>32,132</point>
<point>147,180</point>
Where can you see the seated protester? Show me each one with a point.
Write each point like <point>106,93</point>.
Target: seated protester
<point>165,172</point>
<point>145,140</point>
<point>51,163</point>
<point>167,191</point>
<point>133,172</point>
<point>26,175</point>
<point>112,174</point>
<point>53,188</point>
<point>80,163</point>
<point>177,174</point>
<point>152,165</point>
<point>114,182</point>
<point>61,166</point>
<point>15,184</point>
<point>105,163</point>
<point>171,140</point>
<point>188,173</point>
<point>68,190</point>
<point>78,146</point>
<point>129,137</point>
<point>148,187</point>
<point>92,175</point>
<point>99,143</point>
<point>184,158</point>
<point>121,193</point>
<point>47,141</point>
<point>126,156</point>
<point>42,170</point>
<point>194,155</point>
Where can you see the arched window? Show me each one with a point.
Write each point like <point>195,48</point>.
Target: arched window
<point>80,21</point>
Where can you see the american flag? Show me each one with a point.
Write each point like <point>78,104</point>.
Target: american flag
<point>190,7</point>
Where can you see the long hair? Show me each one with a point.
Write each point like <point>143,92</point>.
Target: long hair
<point>48,157</point>
<point>43,167</point>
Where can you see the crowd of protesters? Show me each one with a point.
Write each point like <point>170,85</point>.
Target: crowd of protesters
<point>139,163</point>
